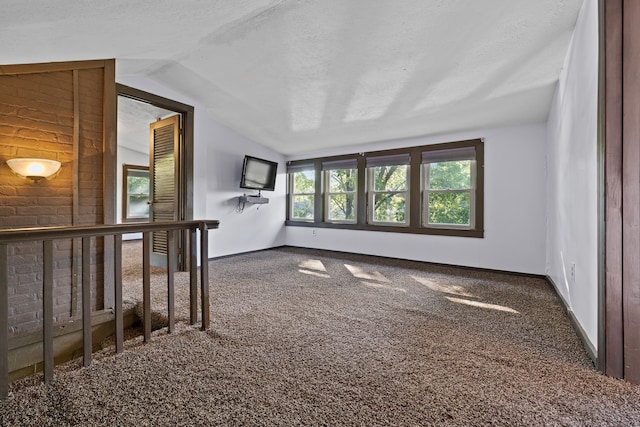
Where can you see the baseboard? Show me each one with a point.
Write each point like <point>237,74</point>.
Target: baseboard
<point>245,253</point>
<point>438,264</point>
<point>588,346</point>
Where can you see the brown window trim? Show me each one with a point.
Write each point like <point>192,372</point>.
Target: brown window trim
<point>415,193</point>
<point>125,193</point>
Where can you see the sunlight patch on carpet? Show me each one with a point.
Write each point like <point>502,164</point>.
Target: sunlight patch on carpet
<point>483,305</point>
<point>444,288</point>
<point>313,267</point>
<point>361,274</point>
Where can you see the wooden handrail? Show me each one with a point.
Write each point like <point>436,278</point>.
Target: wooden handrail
<point>47,235</point>
<point>64,232</point>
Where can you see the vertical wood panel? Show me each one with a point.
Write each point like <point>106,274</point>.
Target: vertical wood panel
<point>75,204</point>
<point>612,116</point>
<point>631,192</point>
<point>47,310</point>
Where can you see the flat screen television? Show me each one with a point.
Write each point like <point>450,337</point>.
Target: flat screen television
<point>258,174</point>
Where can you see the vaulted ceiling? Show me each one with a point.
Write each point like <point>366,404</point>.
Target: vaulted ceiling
<point>306,75</point>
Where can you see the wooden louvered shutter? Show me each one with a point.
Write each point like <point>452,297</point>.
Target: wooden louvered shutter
<point>164,135</point>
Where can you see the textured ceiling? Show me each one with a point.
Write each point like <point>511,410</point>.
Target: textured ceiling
<point>306,75</point>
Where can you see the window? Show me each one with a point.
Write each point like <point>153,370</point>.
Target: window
<point>302,192</point>
<point>135,193</point>
<point>341,184</point>
<point>388,189</point>
<point>430,189</point>
<point>449,188</point>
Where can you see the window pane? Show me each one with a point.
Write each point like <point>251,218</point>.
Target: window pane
<point>342,207</point>
<point>138,184</point>
<point>138,205</point>
<point>449,208</point>
<point>389,208</point>
<point>303,206</point>
<point>342,180</point>
<point>390,178</point>
<point>450,175</point>
<point>304,182</point>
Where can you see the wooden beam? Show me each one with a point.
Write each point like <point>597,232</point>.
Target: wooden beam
<point>631,189</point>
<point>611,103</point>
<point>49,67</point>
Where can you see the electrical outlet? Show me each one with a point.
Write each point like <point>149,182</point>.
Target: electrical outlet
<point>573,272</point>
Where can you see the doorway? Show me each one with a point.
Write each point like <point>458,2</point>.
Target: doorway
<point>156,134</point>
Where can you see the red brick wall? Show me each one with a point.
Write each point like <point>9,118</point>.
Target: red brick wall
<point>37,120</point>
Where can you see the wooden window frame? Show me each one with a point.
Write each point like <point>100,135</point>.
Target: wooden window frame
<point>326,175</point>
<point>292,195</point>
<point>126,168</point>
<point>415,193</point>
<point>372,193</point>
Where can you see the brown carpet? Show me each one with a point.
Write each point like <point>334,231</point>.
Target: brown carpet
<point>304,337</point>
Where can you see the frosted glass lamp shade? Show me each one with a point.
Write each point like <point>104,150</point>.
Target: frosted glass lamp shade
<point>34,169</point>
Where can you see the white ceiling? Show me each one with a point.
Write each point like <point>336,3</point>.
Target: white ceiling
<point>305,75</point>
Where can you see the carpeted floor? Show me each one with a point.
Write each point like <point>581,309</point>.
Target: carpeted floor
<point>305,337</point>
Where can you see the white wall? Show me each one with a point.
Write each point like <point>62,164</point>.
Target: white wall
<point>514,238</point>
<point>572,176</point>
<point>218,156</point>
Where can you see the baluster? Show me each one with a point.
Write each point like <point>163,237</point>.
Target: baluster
<point>47,310</point>
<point>4,322</point>
<point>146,285</point>
<point>193,276</point>
<point>117,283</point>
<point>87,343</point>
<point>171,260</point>
<point>204,274</point>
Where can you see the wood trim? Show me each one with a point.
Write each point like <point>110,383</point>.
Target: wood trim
<point>109,187</point>
<point>631,187</point>
<point>150,98</point>
<point>186,156</point>
<point>126,167</point>
<point>75,243</point>
<point>611,344</point>
<point>49,67</point>
<point>110,130</point>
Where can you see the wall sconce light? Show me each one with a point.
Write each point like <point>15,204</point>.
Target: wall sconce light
<point>34,169</point>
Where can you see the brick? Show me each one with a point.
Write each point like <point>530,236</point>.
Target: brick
<point>7,211</point>
<point>7,190</point>
<point>9,131</point>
